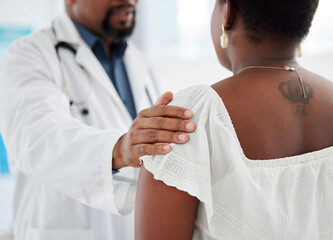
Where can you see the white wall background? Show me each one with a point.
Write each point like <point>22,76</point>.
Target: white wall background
<point>175,34</point>
<point>31,13</point>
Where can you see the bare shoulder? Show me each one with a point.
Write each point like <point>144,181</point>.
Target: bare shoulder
<point>322,89</point>
<point>269,112</point>
<point>317,80</point>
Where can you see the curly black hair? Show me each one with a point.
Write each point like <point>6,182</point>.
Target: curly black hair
<point>276,19</point>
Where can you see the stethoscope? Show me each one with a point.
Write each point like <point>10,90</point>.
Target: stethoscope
<point>80,104</point>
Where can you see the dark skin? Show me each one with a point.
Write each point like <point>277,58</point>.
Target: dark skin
<point>90,14</point>
<point>163,212</point>
<point>160,123</point>
<point>270,119</point>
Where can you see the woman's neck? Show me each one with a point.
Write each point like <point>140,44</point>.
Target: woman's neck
<point>273,55</point>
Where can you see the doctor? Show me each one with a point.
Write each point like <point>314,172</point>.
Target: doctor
<point>68,98</point>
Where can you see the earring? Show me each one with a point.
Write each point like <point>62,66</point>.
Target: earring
<point>224,38</point>
<point>299,51</point>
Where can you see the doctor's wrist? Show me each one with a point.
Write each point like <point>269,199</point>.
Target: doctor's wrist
<point>117,158</point>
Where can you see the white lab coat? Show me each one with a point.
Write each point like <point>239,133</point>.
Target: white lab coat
<point>60,159</point>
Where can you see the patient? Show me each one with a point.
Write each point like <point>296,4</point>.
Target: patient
<point>260,165</point>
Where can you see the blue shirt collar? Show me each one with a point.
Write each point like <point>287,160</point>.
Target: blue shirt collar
<point>118,50</point>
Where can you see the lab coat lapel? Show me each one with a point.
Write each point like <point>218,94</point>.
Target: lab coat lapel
<point>84,57</point>
<point>139,77</point>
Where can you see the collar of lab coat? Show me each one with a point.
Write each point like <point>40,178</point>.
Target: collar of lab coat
<point>66,30</point>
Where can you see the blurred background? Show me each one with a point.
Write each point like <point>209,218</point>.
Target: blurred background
<point>175,34</point>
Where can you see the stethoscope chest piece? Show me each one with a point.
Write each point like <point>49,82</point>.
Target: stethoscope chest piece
<point>84,111</point>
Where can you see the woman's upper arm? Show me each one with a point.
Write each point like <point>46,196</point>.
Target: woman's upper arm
<point>163,212</point>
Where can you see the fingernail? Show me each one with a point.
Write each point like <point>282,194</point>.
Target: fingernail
<point>188,113</point>
<point>181,137</point>
<point>166,147</point>
<point>190,126</point>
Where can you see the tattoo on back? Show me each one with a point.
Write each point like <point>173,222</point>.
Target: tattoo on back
<point>292,91</point>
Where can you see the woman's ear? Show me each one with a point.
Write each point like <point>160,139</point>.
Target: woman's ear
<point>229,15</point>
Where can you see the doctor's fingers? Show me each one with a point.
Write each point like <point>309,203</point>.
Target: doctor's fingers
<point>164,123</point>
<point>150,149</point>
<point>158,136</point>
<point>164,99</point>
<point>166,111</point>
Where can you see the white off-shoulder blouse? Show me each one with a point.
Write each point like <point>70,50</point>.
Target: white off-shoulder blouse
<point>288,198</point>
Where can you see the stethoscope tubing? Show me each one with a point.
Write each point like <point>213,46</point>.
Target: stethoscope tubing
<point>79,104</point>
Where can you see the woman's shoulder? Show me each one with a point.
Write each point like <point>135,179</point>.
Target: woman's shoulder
<point>192,160</point>
<point>196,98</point>
<point>191,95</point>
<point>188,167</point>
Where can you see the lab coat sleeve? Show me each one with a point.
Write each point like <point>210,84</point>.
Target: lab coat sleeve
<point>47,144</point>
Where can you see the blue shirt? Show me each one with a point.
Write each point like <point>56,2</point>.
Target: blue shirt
<point>114,65</point>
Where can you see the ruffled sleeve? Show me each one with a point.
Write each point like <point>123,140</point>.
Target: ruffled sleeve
<point>187,167</point>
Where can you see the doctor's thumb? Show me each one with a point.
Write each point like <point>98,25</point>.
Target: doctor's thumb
<point>164,99</point>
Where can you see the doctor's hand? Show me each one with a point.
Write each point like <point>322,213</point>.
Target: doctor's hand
<point>158,124</point>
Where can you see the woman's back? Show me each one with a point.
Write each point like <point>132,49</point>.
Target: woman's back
<point>270,115</point>
<point>239,198</point>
